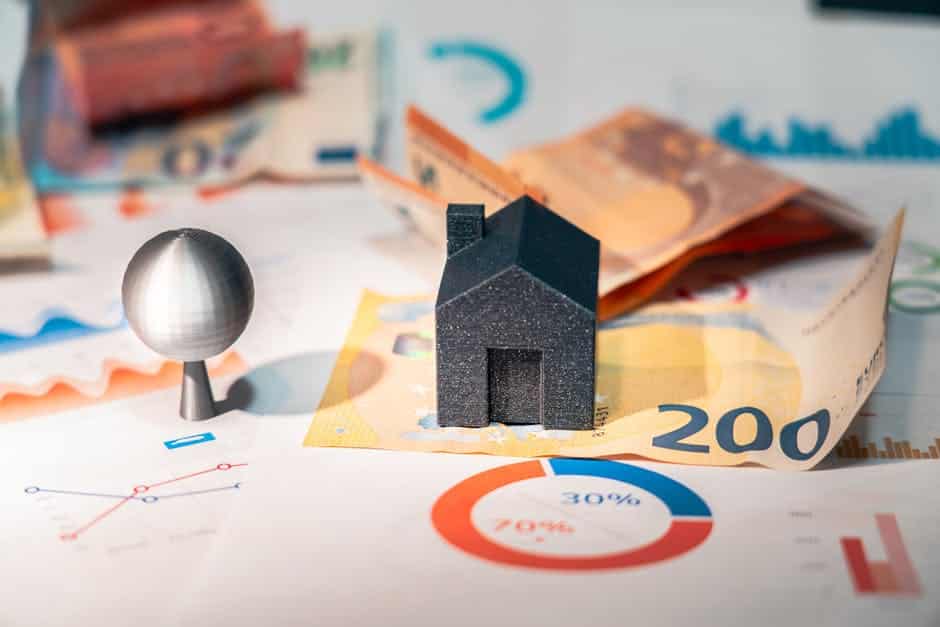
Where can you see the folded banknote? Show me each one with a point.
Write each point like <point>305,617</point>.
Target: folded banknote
<point>656,194</point>
<point>773,379</point>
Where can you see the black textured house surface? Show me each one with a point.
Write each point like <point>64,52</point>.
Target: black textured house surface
<point>516,319</point>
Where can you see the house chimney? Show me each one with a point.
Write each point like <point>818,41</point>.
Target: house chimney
<point>464,226</point>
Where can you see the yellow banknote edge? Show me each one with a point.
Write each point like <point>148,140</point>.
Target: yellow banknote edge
<point>701,354</point>
<point>336,421</point>
<point>22,234</point>
<point>843,346</point>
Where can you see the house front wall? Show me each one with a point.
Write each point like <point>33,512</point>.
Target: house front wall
<point>513,310</point>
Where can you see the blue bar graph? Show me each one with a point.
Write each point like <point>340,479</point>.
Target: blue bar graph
<point>899,136</point>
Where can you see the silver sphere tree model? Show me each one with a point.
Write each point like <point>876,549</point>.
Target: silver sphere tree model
<point>188,295</point>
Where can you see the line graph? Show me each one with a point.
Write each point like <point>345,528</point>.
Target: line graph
<point>55,326</point>
<point>139,492</point>
<point>144,499</point>
<point>117,380</point>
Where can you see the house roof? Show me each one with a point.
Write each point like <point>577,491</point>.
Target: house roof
<point>529,236</point>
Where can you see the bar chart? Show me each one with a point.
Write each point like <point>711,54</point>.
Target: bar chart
<point>894,576</point>
<point>852,447</point>
<point>899,135</point>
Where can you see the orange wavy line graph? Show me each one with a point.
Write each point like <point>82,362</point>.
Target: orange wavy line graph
<point>118,381</point>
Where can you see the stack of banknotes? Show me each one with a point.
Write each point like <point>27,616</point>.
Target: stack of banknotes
<point>118,95</point>
<point>168,55</point>
<point>742,312</point>
<point>251,102</point>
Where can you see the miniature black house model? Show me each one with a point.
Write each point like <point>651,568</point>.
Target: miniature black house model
<point>516,319</point>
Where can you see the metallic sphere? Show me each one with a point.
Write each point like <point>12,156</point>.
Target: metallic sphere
<point>188,294</point>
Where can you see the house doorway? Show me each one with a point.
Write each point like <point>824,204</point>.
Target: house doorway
<point>515,385</point>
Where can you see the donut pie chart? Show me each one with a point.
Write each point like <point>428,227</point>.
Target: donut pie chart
<point>689,526</point>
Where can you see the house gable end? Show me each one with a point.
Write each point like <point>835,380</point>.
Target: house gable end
<point>559,254</point>
<point>530,237</point>
<point>516,294</point>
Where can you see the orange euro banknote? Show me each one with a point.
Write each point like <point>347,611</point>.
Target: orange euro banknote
<point>425,211</point>
<point>658,196</point>
<point>647,188</point>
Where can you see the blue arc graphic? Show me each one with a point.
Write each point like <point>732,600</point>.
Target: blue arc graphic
<point>680,500</point>
<point>515,76</point>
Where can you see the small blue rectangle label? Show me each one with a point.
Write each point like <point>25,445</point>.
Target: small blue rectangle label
<point>189,440</point>
<point>334,154</point>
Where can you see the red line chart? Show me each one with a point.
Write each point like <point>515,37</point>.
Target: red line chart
<point>138,493</point>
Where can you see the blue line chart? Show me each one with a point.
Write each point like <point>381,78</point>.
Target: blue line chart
<point>56,326</point>
<point>498,59</point>
<point>149,498</point>
<point>140,493</point>
<point>898,136</point>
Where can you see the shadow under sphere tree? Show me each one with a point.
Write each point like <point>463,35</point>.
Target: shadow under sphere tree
<point>188,294</point>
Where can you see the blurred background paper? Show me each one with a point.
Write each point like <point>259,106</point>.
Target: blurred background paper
<point>241,524</point>
<point>190,92</point>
